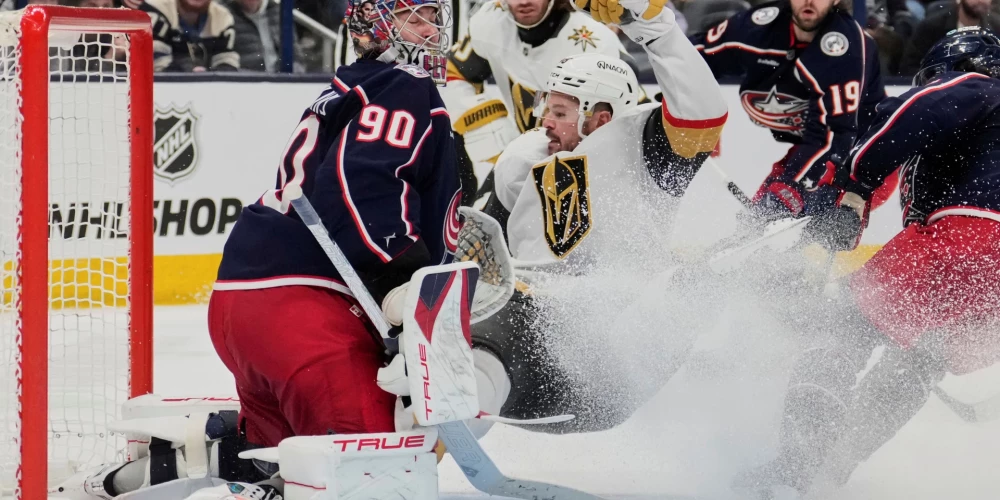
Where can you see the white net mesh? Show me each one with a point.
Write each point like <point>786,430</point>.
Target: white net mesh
<point>89,210</point>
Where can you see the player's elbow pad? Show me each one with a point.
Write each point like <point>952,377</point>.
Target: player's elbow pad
<point>485,127</point>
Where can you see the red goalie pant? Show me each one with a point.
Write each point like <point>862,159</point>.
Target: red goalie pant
<point>942,278</point>
<point>304,362</point>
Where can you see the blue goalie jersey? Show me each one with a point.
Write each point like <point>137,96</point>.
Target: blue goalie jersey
<point>375,156</point>
<point>945,139</point>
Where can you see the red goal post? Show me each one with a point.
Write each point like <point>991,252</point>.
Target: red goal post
<point>73,300</point>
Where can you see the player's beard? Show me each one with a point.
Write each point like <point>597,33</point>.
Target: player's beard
<point>979,11</point>
<point>558,143</point>
<point>811,25</point>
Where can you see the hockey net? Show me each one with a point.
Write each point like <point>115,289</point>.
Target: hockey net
<point>75,237</point>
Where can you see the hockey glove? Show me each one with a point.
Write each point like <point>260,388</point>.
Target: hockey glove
<point>612,11</point>
<point>840,228</point>
<point>485,128</point>
<point>643,31</point>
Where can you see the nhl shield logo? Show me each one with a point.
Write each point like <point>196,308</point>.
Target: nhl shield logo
<point>564,190</point>
<point>175,152</point>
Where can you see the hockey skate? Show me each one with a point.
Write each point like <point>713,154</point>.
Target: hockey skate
<point>784,478</point>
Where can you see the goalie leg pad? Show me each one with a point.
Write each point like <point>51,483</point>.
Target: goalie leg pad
<point>398,465</point>
<point>437,345</point>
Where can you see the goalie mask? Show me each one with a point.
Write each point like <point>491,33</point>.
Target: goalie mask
<point>591,79</point>
<point>403,31</point>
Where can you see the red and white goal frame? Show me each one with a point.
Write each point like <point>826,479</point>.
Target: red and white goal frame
<point>76,236</point>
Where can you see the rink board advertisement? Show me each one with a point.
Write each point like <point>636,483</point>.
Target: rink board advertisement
<point>217,147</point>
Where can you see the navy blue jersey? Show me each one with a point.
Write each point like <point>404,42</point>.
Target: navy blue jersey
<point>945,137</point>
<point>375,156</point>
<point>818,96</point>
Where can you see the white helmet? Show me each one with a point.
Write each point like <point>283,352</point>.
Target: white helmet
<point>592,79</point>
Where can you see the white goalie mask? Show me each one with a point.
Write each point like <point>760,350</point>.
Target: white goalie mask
<point>591,79</point>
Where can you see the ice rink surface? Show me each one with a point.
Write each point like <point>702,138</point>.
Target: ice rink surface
<point>717,416</point>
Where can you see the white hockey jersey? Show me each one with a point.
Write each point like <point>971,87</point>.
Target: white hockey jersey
<point>493,47</point>
<point>606,200</point>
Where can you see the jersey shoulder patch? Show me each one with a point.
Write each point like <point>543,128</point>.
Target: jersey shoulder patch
<point>834,44</point>
<point>765,15</point>
<point>416,71</point>
<point>583,33</point>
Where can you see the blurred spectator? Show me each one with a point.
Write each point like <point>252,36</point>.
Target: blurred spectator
<point>258,35</point>
<point>939,22</point>
<point>890,48</point>
<point>192,35</point>
<point>99,52</point>
<point>890,23</point>
<point>891,14</point>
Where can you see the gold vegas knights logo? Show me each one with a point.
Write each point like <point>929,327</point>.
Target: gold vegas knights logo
<point>524,102</point>
<point>583,38</point>
<point>563,188</point>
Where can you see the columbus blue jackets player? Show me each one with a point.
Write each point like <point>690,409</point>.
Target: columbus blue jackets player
<point>931,294</point>
<point>811,76</point>
<point>375,155</point>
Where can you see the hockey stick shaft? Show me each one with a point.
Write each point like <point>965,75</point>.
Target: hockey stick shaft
<point>293,194</point>
<point>477,466</point>
<point>730,185</point>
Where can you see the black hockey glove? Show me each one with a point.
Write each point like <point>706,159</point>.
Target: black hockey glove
<point>839,228</point>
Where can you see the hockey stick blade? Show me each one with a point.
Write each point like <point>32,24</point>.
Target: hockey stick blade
<point>779,235</point>
<point>555,419</point>
<point>480,470</point>
<point>983,411</point>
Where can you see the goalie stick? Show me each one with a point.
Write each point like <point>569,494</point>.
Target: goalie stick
<point>477,466</point>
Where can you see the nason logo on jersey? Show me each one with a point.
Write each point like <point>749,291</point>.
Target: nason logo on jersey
<point>175,150</point>
<point>564,191</point>
<point>775,110</point>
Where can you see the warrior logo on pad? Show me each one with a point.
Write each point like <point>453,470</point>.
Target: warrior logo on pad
<point>563,187</point>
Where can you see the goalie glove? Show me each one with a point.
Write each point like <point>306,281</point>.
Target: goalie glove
<point>485,128</point>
